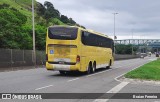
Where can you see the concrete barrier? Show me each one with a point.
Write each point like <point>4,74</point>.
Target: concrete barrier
<point>122,57</point>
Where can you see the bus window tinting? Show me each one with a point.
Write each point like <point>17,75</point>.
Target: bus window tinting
<point>96,40</point>
<point>63,33</point>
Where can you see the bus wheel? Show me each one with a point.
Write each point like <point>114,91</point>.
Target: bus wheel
<point>109,64</point>
<point>62,72</point>
<point>89,69</point>
<point>94,68</point>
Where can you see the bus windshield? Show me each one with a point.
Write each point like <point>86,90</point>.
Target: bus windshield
<point>62,33</point>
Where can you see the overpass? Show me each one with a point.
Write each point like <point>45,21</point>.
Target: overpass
<point>144,44</point>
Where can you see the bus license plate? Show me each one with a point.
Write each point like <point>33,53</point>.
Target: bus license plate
<point>61,62</point>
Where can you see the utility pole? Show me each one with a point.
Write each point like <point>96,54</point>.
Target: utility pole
<point>33,29</point>
<point>114,31</point>
<point>132,41</point>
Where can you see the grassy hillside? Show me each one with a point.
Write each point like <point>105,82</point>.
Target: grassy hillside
<point>16,23</point>
<point>24,6</point>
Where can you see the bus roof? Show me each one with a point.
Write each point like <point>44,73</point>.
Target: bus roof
<point>88,30</point>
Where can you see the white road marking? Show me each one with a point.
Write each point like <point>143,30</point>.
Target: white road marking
<point>118,67</point>
<point>118,87</point>
<point>114,67</point>
<point>152,59</point>
<point>43,87</point>
<point>115,89</point>
<point>72,79</point>
<point>98,73</point>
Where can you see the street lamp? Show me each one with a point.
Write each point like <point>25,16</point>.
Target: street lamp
<point>33,29</point>
<point>114,30</point>
<point>132,41</point>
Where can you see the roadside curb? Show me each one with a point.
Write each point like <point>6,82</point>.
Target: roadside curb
<point>20,68</point>
<point>121,78</point>
<point>122,75</point>
<point>140,81</point>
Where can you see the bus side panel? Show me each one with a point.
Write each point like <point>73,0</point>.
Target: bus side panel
<point>101,56</point>
<point>83,64</point>
<point>87,55</point>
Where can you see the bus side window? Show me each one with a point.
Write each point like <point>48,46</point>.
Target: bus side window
<point>84,37</point>
<point>82,34</point>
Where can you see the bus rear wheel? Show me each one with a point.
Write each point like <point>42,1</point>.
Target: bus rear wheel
<point>89,69</point>
<point>62,72</point>
<point>109,65</point>
<point>94,68</point>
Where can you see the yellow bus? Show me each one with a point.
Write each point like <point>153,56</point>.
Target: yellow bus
<point>70,48</point>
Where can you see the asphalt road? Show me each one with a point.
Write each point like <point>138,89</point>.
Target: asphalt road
<point>103,81</point>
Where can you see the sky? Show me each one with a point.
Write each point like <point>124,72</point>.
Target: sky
<point>137,19</point>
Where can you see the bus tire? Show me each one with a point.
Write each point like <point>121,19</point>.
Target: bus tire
<point>109,66</point>
<point>62,72</point>
<point>94,67</point>
<point>89,69</point>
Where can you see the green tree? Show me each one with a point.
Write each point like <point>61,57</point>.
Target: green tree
<point>26,32</point>
<point>119,49</point>
<point>50,11</point>
<point>16,31</point>
<point>40,9</point>
<point>125,49</point>
<point>10,25</point>
<point>40,32</point>
<point>72,21</point>
<point>64,19</point>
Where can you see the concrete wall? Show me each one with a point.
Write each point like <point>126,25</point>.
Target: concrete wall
<point>122,57</point>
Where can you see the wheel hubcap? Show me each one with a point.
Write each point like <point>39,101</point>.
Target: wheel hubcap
<point>94,68</point>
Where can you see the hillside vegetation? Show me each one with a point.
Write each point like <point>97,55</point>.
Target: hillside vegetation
<point>16,23</point>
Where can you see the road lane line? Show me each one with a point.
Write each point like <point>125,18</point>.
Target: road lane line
<point>117,67</point>
<point>98,73</point>
<point>103,71</point>
<point>72,79</point>
<point>152,59</point>
<point>43,87</point>
<point>115,89</point>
